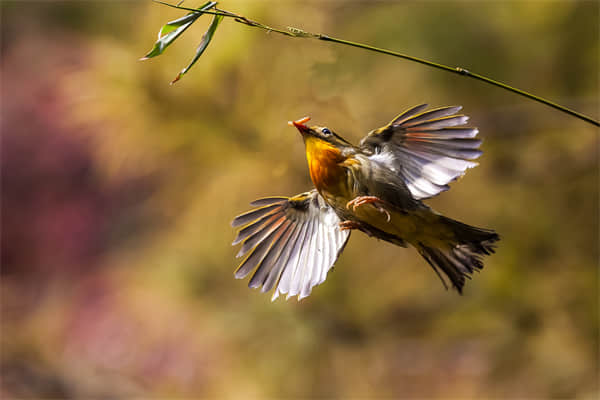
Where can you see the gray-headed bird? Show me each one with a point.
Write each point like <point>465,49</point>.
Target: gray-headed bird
<point>377,187</point>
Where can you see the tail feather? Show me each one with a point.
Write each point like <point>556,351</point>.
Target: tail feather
<point>464,255</point>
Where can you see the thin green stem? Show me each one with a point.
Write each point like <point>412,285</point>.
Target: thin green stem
<point>295,32</point>
<point>465,72</point>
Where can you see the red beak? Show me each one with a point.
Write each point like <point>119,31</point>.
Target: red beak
<point>299,124</point>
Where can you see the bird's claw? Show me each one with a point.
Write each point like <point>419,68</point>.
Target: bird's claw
<point>360,200</point>
<point>349,225</point>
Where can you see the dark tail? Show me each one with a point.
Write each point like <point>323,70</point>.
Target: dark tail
<point>467,248</point>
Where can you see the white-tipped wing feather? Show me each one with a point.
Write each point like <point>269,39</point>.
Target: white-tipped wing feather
<point>292,242</point>
<point>427,149</point>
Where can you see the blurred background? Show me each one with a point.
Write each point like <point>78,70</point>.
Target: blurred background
<point>118,191</point>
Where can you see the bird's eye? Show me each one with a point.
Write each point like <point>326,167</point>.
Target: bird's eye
<point>326,131</point>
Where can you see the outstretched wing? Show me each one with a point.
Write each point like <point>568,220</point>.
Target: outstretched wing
<point>292,242</point>
<point>427,149</point>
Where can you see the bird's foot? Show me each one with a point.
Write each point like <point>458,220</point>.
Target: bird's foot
<point>349,225</point>
<point>376,201</point>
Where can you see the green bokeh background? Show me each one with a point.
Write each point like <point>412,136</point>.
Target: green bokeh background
<point>118,190</point>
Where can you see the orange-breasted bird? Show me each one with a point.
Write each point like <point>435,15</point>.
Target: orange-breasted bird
<point>375,187</point>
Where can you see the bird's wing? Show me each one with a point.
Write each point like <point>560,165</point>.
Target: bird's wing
<point>426,149</point>
<point>292,242</point>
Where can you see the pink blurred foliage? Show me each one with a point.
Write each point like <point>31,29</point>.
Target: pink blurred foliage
<point>58,212</point>
<point>61,219</point>
<point>104,332</point>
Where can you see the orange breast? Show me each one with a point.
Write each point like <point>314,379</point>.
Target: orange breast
<point>324,163</point>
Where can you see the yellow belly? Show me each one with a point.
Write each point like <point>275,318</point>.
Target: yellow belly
<point>414,226</point>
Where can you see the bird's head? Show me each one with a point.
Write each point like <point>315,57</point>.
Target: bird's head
<point>318,133</point>
<point>323,153</point>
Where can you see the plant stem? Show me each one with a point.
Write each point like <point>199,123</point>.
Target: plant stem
<point>465,72</point>
<point>295,32</point>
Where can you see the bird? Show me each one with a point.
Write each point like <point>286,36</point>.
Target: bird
<point>378,188</point>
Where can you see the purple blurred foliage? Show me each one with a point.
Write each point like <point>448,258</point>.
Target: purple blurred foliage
<point>58,212</point>
<point>61,218</point>
<point>102,331</point>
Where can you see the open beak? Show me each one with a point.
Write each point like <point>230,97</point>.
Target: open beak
<point>299,124</point>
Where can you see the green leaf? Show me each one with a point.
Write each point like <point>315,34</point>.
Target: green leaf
<point>206,38</point>
<point>171,30</point>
